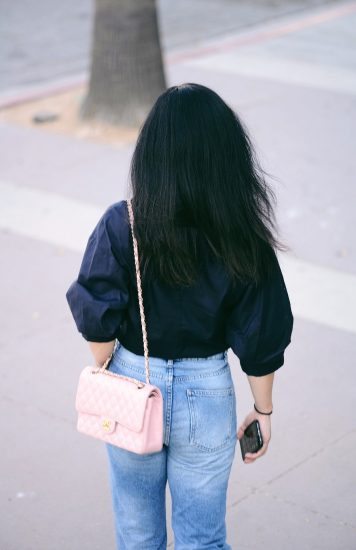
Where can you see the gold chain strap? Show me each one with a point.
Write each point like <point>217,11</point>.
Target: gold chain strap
<point>139,288</point>
<point>102,370</point>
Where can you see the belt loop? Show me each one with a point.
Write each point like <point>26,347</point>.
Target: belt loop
<point>117,344</point>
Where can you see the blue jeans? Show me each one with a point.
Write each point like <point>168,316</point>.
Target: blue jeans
<point>200,426</point>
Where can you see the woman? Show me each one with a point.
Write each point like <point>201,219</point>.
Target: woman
<point>211,280</point>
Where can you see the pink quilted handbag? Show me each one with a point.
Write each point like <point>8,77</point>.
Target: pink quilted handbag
<point>118,409</point>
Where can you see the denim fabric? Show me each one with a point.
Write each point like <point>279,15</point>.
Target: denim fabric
<point>200,436</point>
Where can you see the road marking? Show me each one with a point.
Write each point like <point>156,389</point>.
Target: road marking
<point>320,294</point>
<point>46,216</point>
<point>317,293</point>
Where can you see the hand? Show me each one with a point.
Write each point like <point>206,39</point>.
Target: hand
<point>265,425</point>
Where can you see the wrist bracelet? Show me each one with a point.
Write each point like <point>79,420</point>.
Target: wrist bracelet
<point>260,411</point>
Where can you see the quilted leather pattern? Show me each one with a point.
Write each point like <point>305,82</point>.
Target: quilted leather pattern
<point>115,410</point>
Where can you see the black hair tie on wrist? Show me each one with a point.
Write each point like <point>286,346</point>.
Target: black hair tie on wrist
<point>260,411</point>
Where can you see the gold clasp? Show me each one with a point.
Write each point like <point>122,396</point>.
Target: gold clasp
<point>106,424</point>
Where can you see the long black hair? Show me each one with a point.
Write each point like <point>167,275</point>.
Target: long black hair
<point>194,172</point>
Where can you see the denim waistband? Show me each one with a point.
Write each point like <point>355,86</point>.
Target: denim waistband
<point>134,359</point>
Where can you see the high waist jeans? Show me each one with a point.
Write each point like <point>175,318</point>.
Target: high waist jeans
<point>200,426</point>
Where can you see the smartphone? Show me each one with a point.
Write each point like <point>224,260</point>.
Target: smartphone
<point>252,440</point>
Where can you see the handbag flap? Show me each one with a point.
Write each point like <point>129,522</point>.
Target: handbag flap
<point>106,395</point>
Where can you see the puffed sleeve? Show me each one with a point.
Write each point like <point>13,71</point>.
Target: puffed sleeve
<point>260,325</point>
<point>99,296</point>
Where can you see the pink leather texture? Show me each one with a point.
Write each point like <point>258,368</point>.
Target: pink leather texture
<point>117,411</point>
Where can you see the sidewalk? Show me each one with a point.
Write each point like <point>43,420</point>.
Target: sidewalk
<point>293,82</point>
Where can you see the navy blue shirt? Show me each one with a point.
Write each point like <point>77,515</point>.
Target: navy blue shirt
<point>209,317</point>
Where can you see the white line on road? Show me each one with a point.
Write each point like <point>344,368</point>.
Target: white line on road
<point>317,293</point>
<point>320,294</point>
<point>47,216</point>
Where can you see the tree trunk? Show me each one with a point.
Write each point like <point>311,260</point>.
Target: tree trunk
<point>127,73</point>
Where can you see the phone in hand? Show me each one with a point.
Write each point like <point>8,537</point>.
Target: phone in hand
<point>252,440</point>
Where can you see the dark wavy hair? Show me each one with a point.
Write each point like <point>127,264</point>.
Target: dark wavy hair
<point>194,174</point>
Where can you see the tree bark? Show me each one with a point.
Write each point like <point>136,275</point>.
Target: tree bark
<point>127,73</point>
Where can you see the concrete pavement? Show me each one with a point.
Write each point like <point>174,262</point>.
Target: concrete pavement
<point>55,488</point>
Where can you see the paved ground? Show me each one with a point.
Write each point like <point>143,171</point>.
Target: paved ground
<point>293,82</point>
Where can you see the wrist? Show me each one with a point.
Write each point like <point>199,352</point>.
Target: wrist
<point>263,410</point>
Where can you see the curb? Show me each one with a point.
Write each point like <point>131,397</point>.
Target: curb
<point>261,32</point>
<point>14,97</point>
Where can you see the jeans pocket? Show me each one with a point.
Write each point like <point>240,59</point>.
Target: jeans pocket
<point>211,413</point>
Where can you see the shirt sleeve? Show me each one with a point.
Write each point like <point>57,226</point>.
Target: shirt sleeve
<point>99,296</point>
<point>260,325</point>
